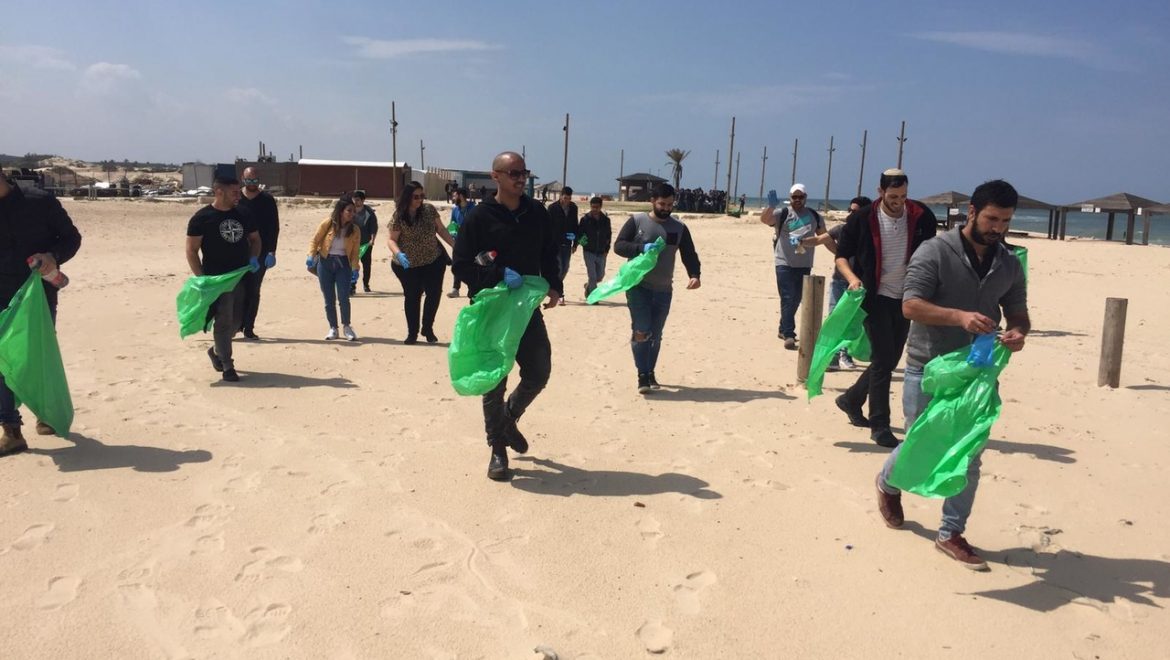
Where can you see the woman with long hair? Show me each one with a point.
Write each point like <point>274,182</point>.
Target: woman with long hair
<point>333,256</point>
<point>418,259</point>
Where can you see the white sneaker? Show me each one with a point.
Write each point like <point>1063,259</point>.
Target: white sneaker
<point>847,362</point>
<point>332,334</point>
<point>349,335</point>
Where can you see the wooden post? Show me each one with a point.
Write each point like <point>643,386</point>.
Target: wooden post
<point>1146,230</point>
<point>730,152</point>
<point>716,182</point>
<point>565,162</point>
<point>861,176</point>
<point>901,143</point>
<point>1112,342</point>
<point>829,176</point>
<point>1109,227</point>
<point>735,192</point>
<point>621,173</point>
<point>812,307</point>
<point>795,148</point>
<point>1129,229</point>
<point>763,168</point>
<point>394,148</point>
<point>1063,223</point>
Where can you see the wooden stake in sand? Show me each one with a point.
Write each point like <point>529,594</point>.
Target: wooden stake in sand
<point>1112,341</point>
<point>811,309</point>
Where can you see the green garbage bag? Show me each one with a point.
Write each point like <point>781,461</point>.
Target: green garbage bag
<point>844,328</point>
<point>1022,255</point>
<point>954,427</point>
<point>198,293</point>
<point>363,250</point>
<point>582,240</point>
<point>452,228</point>
<point>487,334</point>
<point>30,359</point>
<point>629,275</point>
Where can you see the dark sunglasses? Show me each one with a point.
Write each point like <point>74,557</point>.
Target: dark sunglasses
<point>798,196</point>
<point>516,174</point>
<point>251,182</point>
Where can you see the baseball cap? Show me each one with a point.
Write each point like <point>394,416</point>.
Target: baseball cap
<point>797,187</point>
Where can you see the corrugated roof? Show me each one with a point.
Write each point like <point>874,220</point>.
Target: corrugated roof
<point>349,163</point>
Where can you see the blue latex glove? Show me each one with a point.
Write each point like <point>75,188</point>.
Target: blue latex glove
<point>981,350</point>
<point>254,264</point>
<point>512,278</point>
<point>311,262</point>
<point>773,199</point>
<point>647,247</point>
<point>270,261</point>
<point>402,260</point>
<point>353,277</point>
<point>570,236</point>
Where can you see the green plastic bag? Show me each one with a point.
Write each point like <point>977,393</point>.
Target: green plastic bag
<point>487,335</point>
<point>954,427</point>
<point>197,295</point>
<point>629,275</point>
<point>30,359</point>
<point>1022,255</point>
<point>583,240</point>
<point>363,250</point>
<point>844,328</point>
<point>452,228</point>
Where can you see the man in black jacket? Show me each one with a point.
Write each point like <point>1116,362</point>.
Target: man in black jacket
<point>367,222</point>
<point>518,230</point>
<point>594,236</point>
<point>879,239</point>
<point>564,219</point>
<point>32,224</point>
<point>261,205</point>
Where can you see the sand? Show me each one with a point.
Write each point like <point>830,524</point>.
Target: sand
<point>334,504</point>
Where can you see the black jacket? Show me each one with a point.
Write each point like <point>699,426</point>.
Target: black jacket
<point>599,233</point>
<point>563,221</point>
<point>861,242</point>
<point>32,221</point>
<point>524,240</point>
<point>266,216</point>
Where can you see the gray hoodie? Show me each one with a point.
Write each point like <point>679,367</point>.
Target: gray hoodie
<point>940,273</point>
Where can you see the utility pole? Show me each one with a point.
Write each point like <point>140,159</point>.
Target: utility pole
<point>763,168</point>
<point>795,147</point>
<point>716,181</point>
<point>901,143</point>
<point>422,156</point>
<point>861,177</point>
<point>829,178</point>
<point>394,147</point>
<point>302,152</point>
<point>735,193</point>
<point>524,154</point>
<point>621,173</point>
<point>565,164</point>
<point>730,150</point>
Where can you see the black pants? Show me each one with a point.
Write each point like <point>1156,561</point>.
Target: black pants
<point>366,261</point>
<point>535,359</point>
<point>252,283</point>
<point>887,330</point>
<point>418,281</point>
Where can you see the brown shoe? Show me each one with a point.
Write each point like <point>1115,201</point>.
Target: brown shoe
<point>45,429</point>
<point>12,441</point>
<point>958,549</point>
<point>890,506</point>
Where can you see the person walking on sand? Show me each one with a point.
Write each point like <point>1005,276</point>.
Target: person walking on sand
<point>518,230</point>
<point>875,246</point>
<point>956,286</point>
<point>649,302</point>
<point>460,207</point>
<point>333,257</point>
<point>563,213</point>
<point>838,284</point>
<point>415,254</point>
<point>33,225</point>
<point>367,223</point>
<point>595,237</point>
<point>261,205</point>
<point>797,230</point>
<point>221,237</point>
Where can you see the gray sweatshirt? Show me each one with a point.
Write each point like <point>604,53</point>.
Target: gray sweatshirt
<point>641,229</point>
<point>940,273</point>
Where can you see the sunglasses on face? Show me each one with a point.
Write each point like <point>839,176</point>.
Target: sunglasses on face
<point>799,196</point>
<point>516,174</point>
<point>251,182</point>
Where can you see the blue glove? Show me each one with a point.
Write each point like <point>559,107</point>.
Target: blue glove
<point>773,199</point>
<point>981,350</point>
<point>512,278</point>
<point>353,276</point>
<point>254,264</point>
<point>270,261</point>
<point>402,260</point>
<point>570,236</point>
<point>646,247</point>
<point>311,261</point>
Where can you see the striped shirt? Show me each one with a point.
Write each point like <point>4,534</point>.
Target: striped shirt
<point>895,238</point>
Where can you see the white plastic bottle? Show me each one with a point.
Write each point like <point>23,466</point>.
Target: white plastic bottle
<point>55,277</point>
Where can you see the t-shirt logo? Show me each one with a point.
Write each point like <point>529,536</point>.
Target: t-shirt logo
<point>231,230</point>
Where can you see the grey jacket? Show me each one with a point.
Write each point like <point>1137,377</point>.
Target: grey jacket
<point>940,273</point>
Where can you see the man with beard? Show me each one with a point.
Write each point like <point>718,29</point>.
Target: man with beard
<point>873,251</point>
<point>261,205</point>
<point>956,286</point>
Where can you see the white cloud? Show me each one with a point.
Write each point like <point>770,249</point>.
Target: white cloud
<point>249,95</point>
<point>378,49</point>
<point>1026,44</point>
<point>40,57</point>
<point>104,77</point>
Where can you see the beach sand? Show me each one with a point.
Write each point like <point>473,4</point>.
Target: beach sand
<point>334,504</point>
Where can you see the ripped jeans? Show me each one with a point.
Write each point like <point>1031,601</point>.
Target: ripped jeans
<point>648,312</point>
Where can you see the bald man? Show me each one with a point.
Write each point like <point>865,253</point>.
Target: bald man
<point>518,229</point>
<point>261,205</point>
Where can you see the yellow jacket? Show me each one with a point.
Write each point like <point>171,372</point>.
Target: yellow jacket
<point>319,246</point>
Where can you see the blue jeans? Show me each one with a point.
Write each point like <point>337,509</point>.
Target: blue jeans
<point>334,275</point>
<point>957,509</point>
<point>9,413</point>
<point>648,312</point>
<point>790,284</point>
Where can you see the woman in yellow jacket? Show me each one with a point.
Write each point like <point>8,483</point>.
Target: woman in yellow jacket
<point>333,256</point>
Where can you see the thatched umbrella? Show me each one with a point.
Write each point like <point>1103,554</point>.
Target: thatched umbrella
<point>1127,203</point>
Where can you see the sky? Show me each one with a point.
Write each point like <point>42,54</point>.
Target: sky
<point>1067,100</point>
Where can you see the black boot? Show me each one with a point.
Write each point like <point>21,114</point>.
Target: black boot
<point>498,464</point>
<point>511,433</point>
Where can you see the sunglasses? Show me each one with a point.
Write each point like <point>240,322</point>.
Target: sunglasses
<point>516,174</point>
<point>798,196</point>
<point>251,182</point>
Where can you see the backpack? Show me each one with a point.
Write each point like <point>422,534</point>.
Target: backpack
<point>780,218</point>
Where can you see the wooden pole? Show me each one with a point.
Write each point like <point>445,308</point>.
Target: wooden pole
<point>1109,228</point>
<point>735,192</point>
<point>716,181</point>
<point>763,168</point>
<point>829,178</point>
<point>565,162</point>
<point>730,151</point>
<point>811,310</point>
<point>901,143</point>
<point>394,147</point>
<point>861,176</point>
<point>422,156</point>
<point>1112,342</point>
<point>1146,230</point>
<point>1063,223</point>
<point>795,148</point>
<point>1129,229</point>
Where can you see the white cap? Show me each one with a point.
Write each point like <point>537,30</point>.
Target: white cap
<point>797,187</point>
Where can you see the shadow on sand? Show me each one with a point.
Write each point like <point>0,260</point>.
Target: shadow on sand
<point>285,381</point>
<point>565,480</point>
<point>89,454</point>
<point>714,394</point>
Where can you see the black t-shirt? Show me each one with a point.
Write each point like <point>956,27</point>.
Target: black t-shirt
<point>981,266</point>
<point>225,238</point>
<point>266,216</point>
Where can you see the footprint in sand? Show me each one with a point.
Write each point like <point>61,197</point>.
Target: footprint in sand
<point>206,545</point>
<point>214,620</point>
<point>66,492</point>
<point>766,483</point>
<point>651,530</point>
<point>686,594</point>
<point>246,484</point>
<point>33,536</point>
<point>267,624</point>
<point>62,591</point>
<point>334,487</point>
<point>209,514</point>
<point>266,558</point>
<point>656,637</point>
<point>323,523</point>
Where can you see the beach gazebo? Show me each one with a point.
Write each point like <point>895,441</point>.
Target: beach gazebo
<point>954,201</point>
<point>1129,204</point>
<point>636,187</point>
<point>1037,205</point>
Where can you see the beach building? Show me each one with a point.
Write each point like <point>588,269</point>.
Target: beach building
<point>201,174</point>
<point>329,178</point>
<point>636,187</point>
<point>1132,206</point>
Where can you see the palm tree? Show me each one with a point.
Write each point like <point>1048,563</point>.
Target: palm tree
<point>676,157</point>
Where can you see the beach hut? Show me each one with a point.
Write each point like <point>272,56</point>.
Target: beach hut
<point>329,178</point>
<point>1129,204</point>
<point>956,203</point>
<point>1037,205</point>
<point>636,187</point>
